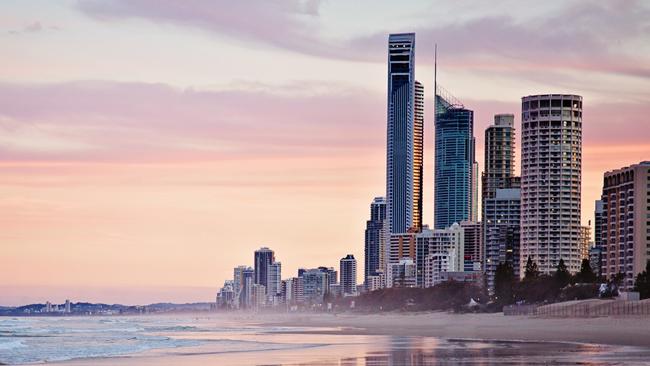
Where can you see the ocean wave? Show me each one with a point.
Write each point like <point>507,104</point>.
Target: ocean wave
<point>11,344</point>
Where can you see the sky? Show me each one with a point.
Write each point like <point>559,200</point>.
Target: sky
<point>149,146</point>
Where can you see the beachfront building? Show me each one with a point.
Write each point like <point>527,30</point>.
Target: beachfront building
<point>402,246</point>
<point>626,222</point>
<point>585,242</point>
<point>550,181</point>
<point>225,296</point>
<point>375,239</point>
<point>472,245</point>
<point>246,295</point>
<point>292,291</point>
<point>402,273</point>
<point>501,226</point>
<point>375,282</point>
<point>274,280</point>
<point>443,248</point>
<point>315,284</point>
<point>263,258</point>
<point>348,275</point>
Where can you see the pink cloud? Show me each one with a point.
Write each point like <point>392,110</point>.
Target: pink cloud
<point>583,36</point>
<point>140,122</point>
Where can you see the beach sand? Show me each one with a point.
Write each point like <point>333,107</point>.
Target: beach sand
<point>628,331</point>
<point>411,339</point>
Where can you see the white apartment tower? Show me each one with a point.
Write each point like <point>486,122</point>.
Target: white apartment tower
<point>551,169</point>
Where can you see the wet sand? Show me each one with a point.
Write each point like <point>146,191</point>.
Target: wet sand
<point>629,331</point>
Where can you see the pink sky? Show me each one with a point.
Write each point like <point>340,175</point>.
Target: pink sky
<point>147,147</point>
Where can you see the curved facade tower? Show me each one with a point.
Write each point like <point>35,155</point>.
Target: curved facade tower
<point>551,165</point>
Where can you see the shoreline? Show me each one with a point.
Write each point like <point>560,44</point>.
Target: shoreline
<point>623,331</point>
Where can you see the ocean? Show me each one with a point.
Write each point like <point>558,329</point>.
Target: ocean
<point>241,339</point>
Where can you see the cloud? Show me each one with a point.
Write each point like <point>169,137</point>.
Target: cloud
<point>286,24</point>
<point>587,36</point>
<point>35,27</point>
<point>143,122</point>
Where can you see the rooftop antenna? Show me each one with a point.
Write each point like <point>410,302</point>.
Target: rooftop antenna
<point>435,80</point>
<point>435,69</point>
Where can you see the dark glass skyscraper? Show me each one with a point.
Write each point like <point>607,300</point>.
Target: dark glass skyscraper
<point>375,252</point>
<point>263,259</point>
<point>454,162</point>
<point>401,113</point>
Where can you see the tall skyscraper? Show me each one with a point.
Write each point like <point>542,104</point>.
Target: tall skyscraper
<point>246,296</point>
<point>401,131</point>
<point>348,275</point>
<point>455,184</point>
<point>501,231</point>
<point>263,258</point>
<point>274,280</point>
<point>626,222</point>
<point>418,155</point>
<point>375,239</point>
<point>499,156</point>
<point>551,168</point>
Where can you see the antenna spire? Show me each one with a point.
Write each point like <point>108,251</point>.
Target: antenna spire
<point>435,69</point>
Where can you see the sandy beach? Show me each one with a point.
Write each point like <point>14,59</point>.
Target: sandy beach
<point>629,331</point>
<point>324,339</point>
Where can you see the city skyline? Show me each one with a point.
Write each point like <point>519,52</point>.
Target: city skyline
<point>173,168</point>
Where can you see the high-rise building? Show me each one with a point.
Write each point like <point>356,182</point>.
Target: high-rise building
<point>444,244</point>
<point>626,222</point>
<point>246,295</point>
<point>551,165</point>
<point>400,153</point>
<point>472,247</point>
<point>501,227</point>
<point>455,184</point>
<point>332,274</point>
<point>596,254</point>
<point>598,223</point>
<point>348,275</point>
<point>402,246</point>
<point>263,258</point>
<point>402,273</point>
<point>292,290</point>
<point>499,155</point>
<point>238,282</point>
<point>226,296</point>
<point>585,242</point>
<point>274,280</point>
<point>68,307</point>
<point>315,285</point>
<point>375,240</point>
<point>418,155</point>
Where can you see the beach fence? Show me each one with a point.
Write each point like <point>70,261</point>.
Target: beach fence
<point>512,310</point>
<point>594,308</point>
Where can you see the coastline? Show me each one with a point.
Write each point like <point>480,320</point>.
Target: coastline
<point>621,331</point>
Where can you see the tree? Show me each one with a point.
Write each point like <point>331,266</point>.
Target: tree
<point>586,275</point>
<point>562,276</point>
<point>504,284</point>
<point>532,271</point>
<point>642,283</point>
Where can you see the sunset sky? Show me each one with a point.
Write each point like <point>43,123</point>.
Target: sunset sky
<point>149,146</point>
